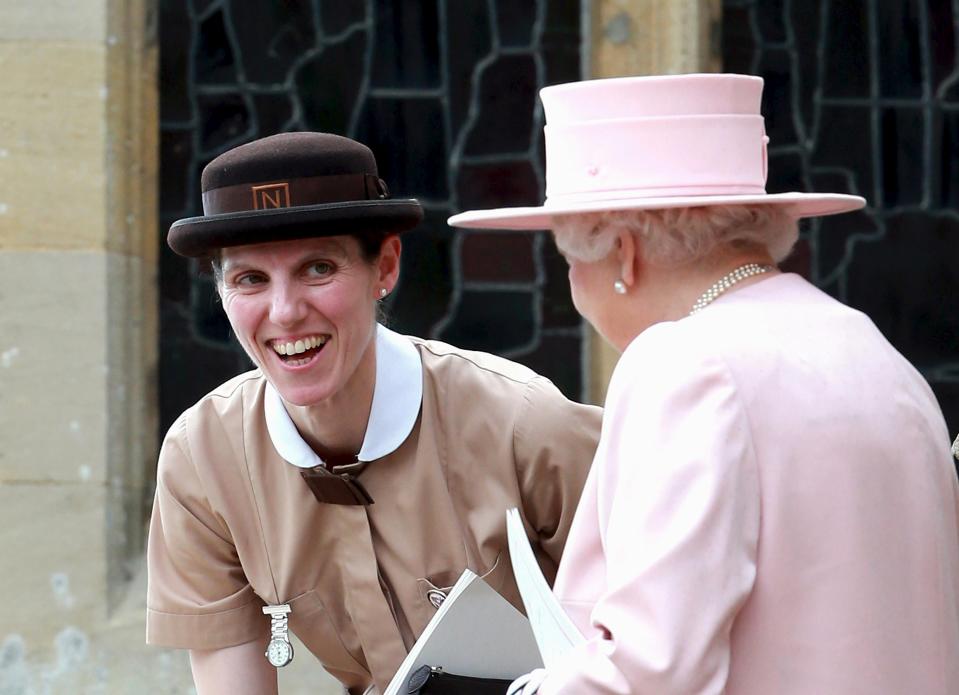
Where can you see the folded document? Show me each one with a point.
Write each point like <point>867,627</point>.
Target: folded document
<point>476,632</point>
<point>555,633</point>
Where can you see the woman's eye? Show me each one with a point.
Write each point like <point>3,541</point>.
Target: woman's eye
<point>248,279</point>
<point>320,269</point>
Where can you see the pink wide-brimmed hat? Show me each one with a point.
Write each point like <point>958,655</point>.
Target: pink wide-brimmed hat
<point>640,143</point>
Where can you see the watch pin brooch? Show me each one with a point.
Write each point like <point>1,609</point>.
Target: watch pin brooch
<point>279,651</point>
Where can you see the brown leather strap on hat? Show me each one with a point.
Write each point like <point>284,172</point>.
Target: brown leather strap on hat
<point>338,486</point>
<point>295,192</point>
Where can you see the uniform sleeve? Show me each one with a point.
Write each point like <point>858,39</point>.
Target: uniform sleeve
<point>198,596</point>
<point>678,505</point>
<point>554,441</point>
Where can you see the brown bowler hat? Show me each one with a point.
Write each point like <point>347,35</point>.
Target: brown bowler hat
<point>291,186</point>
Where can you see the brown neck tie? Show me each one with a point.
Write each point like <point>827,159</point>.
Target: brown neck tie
<point>338,485</point>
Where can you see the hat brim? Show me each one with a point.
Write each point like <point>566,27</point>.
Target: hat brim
<point>196,237</point>
<point>533,218</point>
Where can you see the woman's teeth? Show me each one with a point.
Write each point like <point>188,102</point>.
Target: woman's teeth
<point>299,346</point>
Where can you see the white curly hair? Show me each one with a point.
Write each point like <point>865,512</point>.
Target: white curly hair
<point>676,236</point>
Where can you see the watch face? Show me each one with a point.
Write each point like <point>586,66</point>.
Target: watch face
<point>279,653</point>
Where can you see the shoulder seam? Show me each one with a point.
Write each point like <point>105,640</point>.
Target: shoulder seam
<point>520,420</point>
<point>187,450</point>
<point>465,358</point>
<point>249,376</point>
<point>748,418</point>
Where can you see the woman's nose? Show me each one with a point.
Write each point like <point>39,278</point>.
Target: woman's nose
<point>287,307</point>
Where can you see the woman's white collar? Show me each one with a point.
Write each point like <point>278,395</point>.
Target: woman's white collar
<point>397,395</point>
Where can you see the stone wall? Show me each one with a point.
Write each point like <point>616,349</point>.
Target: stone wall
<point>77,340</point>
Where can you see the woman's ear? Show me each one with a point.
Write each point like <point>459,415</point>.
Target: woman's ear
<point>388,263</point>
<point>627,254</point>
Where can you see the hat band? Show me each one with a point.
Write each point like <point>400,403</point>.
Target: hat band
<point>711,154</point>
<point>297,192</point>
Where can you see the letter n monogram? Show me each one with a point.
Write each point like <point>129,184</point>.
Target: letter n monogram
<point>271,195</point>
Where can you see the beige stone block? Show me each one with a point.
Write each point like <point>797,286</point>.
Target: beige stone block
<point>57,635</point>
<point>148,142</point>
<point>602,360</point>
<point>53,366</point>
<point>132,131</point>
<point>652,37</point>
<point>53,20</point>
<point>52,153</point>
<point>53,578</point>
<point>131,416</point>
<point>78,137</point>
<point>77,359</point>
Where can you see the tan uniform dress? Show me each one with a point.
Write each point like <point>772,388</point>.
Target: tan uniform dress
<point>455,438</point>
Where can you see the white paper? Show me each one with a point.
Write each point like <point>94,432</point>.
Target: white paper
<point>555,633</point>
<point>476,632</point>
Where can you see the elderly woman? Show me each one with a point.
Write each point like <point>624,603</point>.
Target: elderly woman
<point>343,485</point>
<point>772,508</point>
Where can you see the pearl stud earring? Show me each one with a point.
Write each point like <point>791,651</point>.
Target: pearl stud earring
<point>383,292</point>
<point>619,287</point>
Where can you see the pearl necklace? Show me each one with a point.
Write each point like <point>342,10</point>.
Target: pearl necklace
<point>727,281</point>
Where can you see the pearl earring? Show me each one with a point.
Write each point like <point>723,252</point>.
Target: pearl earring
<point>619,287</point>
<point>383,292</point>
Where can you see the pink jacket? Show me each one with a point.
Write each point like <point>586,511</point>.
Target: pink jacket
<point>773,510</point>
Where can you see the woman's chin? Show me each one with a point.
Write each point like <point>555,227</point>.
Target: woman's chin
<point>300,389</point>
<point>302,395</point>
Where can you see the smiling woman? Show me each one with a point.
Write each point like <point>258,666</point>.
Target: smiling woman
<point>304,312</point>
<point>355,472</point>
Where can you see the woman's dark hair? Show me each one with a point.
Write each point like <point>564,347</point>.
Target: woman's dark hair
<point>371,243</point>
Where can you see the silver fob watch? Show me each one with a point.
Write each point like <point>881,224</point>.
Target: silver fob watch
<point>279,651</point>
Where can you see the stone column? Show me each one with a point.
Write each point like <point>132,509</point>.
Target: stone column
<point>646,37</point>
<point>78,240</point>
